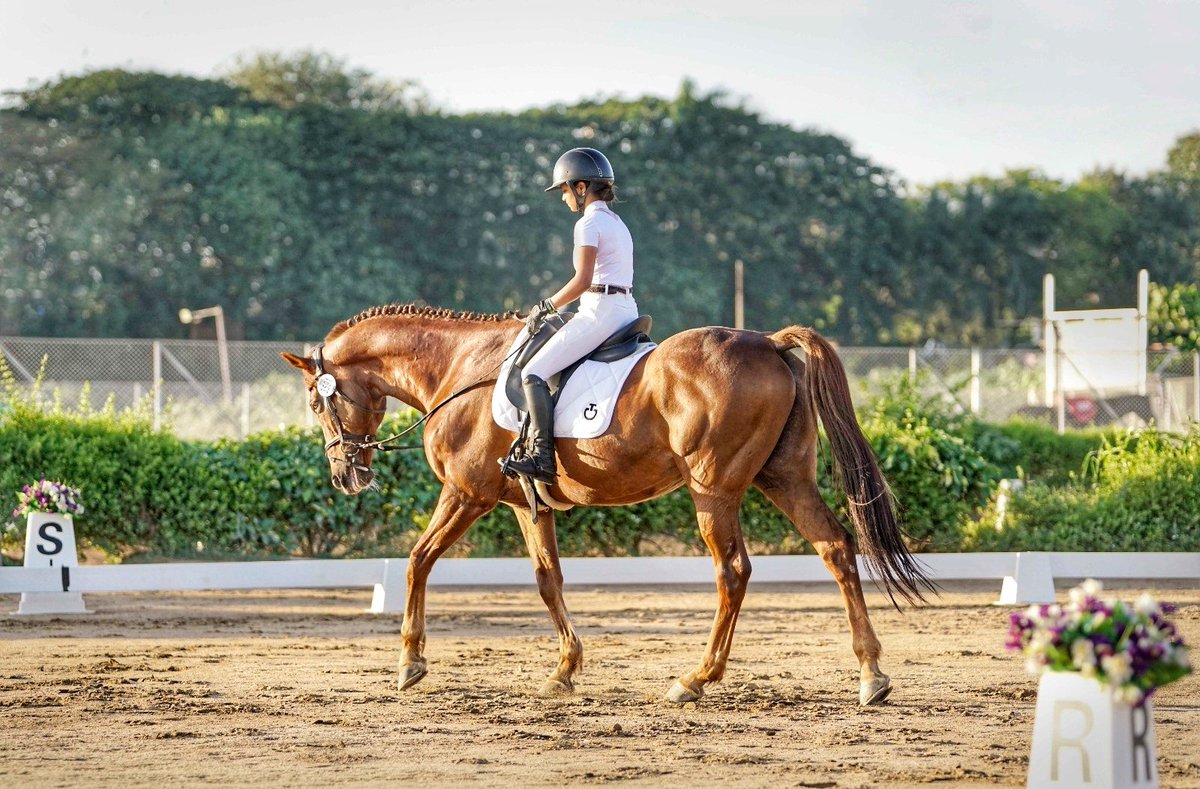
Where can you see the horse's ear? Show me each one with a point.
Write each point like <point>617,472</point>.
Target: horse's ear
<point>303,363</point>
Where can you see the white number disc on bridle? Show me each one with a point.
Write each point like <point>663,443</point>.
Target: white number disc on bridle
<point>326,385</point>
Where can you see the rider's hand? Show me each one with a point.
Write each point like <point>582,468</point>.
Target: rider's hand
<point>537,313</point>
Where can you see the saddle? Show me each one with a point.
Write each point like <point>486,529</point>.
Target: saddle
<point>622,343</point>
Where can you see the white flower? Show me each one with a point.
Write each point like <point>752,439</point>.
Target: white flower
<point>1040,642</point>
<point>1033,665</point>
<point>1083,655</point>
<point>1116,668</point>
<point>1146,605</point>
<point>1091,587</point>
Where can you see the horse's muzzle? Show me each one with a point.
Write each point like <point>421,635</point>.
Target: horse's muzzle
<point>352,478</point>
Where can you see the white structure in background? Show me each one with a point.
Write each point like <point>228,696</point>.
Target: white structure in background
<point>50,544</point>
<point>1094,352</point>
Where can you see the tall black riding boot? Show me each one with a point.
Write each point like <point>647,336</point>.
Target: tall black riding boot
<point>540,463</point>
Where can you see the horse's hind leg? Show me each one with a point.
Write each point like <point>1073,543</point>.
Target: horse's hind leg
<point>802,503</point>
<point>717,515</point>
<point>543,550</point>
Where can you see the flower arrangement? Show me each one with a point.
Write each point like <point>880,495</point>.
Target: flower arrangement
<point>47,496</point>
<point>1132,649</point>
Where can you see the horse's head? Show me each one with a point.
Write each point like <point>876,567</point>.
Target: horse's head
<point>349,411</point>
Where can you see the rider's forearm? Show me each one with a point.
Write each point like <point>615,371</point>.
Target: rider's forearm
<point>575,288</point>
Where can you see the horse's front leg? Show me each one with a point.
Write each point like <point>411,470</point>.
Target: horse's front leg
<point>717,515</point>
<point>454,514</point>
<point>542,543</point>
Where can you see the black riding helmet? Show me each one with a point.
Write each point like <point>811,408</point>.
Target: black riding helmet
<point>582,164</point>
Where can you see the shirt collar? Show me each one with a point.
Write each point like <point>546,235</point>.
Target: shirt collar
<point>596,205</point>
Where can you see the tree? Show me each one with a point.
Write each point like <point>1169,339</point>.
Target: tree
<point>292,80</point>
<point>114,97</point>
<point>1183,159</point>
<point>305,191</point>
<point>1175,315</point>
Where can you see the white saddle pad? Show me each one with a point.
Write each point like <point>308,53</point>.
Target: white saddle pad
<point>585,407</point>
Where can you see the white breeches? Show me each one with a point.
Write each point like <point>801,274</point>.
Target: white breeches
<point>597,318</point>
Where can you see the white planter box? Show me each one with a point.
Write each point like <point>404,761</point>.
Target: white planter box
<point>50,542</point>
<point>1083,738</point>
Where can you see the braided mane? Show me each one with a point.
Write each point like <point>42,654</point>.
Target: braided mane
<point>440,313</point>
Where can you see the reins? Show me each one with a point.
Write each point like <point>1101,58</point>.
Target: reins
<point>355,442</point>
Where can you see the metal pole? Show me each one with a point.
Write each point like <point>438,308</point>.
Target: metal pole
<point>1196,386</point>
<point>912,362</point>
<point>1143,324</point>
<point>1060,402</point>
<point>1050,338</point>
<point>976,388</point>
<point>14,364</point>
<point>156,374</point>
<point>739,295</point>
<point>187,316</point>
<point>223,356</point>
<point>309,418</point>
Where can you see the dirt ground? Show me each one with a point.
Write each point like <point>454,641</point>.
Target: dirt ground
<point>299,689</point>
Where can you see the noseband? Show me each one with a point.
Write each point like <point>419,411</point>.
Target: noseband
<point>353,443</point>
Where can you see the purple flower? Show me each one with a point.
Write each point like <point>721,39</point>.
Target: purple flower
<point>1131,648</point>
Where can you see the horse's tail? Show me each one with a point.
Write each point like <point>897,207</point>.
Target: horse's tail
<point>871,503</point>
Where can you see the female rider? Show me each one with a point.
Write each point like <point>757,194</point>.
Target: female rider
<point>603,283</point>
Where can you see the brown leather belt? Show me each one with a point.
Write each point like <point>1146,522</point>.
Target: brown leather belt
<point>609,289</point>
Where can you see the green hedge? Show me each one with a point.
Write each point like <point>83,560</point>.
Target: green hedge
<point>1035,451</point>
<point>150,495</point>
<point>1139,492</point>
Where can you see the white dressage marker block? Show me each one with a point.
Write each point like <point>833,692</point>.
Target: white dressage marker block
<point>1082,738</point>
<point>1032,581</point>
<point>389,593</point>
<point>50,542</point>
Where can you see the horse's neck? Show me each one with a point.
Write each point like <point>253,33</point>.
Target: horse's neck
<point>421,360</point>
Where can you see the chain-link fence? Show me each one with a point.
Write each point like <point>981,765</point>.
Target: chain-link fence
<point>200,393</point>
<point>201,396</point>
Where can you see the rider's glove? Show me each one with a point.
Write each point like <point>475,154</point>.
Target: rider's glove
<point>537,314</point>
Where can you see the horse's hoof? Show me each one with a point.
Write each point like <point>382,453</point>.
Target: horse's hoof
<point>411,674</point>
<point>554,687</point>
<point>874,691</point>
<point>682,694</point>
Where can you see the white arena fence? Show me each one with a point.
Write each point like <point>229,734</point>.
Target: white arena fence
<point>183,384</point>
<point>1026,577</point>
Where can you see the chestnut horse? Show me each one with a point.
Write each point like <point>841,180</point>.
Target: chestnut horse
<point>715,410</point>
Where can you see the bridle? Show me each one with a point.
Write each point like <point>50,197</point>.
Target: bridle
<point>355,443</point>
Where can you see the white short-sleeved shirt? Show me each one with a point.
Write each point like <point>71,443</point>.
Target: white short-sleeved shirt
<point>601,228</point>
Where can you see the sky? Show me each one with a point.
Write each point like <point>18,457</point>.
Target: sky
<point>930,89</point>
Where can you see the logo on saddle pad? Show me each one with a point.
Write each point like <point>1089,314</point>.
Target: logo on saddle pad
<point>584,405</point>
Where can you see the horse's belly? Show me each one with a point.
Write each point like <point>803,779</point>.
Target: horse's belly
<point>608,471</point>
